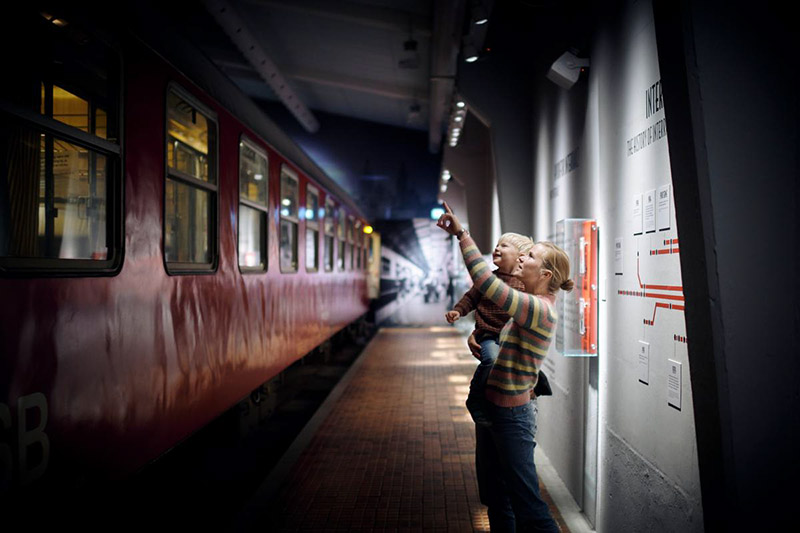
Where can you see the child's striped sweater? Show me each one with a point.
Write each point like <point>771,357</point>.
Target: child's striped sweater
<point>524,339</point>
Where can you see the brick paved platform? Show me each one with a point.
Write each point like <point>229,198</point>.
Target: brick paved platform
<point>396,452</point>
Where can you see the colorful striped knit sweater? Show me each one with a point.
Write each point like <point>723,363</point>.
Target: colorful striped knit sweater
<point>489,319</point>
<point>524,339</point>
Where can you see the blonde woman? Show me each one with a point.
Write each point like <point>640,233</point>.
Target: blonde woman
<point>507,479</point>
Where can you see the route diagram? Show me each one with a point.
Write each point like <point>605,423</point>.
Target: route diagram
<point>668,297</point>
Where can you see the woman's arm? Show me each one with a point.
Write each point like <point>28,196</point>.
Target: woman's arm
<point>526,309</point>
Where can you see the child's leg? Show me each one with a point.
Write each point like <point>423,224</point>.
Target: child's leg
<point>475,401</point>
<point>490,348</point>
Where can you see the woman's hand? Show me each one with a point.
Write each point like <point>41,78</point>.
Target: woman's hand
<point>449,221</point>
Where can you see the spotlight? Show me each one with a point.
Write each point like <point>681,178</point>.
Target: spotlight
<point>470,52</point>
<point>479,15</point>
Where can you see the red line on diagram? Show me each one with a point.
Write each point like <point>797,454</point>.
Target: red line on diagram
<point>644,293</point>
<point>672,248</point>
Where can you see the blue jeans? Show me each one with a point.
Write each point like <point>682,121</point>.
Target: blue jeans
<point>507,479</point>
<point>490,348</point>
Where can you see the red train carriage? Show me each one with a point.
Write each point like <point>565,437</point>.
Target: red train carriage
<point>164,248</point>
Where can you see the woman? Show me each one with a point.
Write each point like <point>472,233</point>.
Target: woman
<point>507,478</point>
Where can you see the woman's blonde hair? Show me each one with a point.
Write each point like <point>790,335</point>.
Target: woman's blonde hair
<point>556,261</point>
<point>523,243</point>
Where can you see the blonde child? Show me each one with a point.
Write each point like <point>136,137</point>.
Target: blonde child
<point>489,318</point>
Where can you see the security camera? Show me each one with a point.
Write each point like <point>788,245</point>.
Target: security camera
<point>566,70</point>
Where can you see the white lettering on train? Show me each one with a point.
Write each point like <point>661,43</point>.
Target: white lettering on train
<point>32,443</point>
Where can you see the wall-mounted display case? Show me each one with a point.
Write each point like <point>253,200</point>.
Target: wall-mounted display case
<point>576,331</point>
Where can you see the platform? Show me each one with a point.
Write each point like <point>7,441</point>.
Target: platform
<point>392,450</point>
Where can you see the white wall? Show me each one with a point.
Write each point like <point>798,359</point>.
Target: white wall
<point>647,471</point>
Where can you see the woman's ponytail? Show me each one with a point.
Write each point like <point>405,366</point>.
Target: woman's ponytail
<point>556,261</point>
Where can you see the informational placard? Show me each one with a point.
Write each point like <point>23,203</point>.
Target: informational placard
<point>674,379</point>
<point>618,256</point>
<point>637,214</point>
<point>644,362</point>
<point>650,211</point>
<point>662,208</point>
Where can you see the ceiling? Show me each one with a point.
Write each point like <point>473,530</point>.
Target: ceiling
<point>391,62</point>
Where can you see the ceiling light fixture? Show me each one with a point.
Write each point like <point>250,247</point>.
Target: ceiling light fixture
<point>479,14</point>
<point>469,52</point>
<point>458,114</point>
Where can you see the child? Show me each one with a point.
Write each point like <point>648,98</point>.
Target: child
<point>489,318</point>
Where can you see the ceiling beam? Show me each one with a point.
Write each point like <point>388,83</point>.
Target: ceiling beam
<point>365,86</point>
<point>364,15</point>
<point>235,28</point>
<point>447,26</point>
<point>417,94</point>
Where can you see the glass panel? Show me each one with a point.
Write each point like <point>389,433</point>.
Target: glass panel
<point>328,252</point>
<point>341,254</point>
<point>252,238</point>
<point>289,196</point>
<point>100,123</point>
<point>70,109</point>
<point>330,210</point>
<point>312,248</point>
<point>288,246</point>
<point>187,139</point>
<point>350,230</point>
<point>312,205</point>
<point>186,218</point>
<point>84,69</point>
<point>342,224</point>
<point>57,198</point>
<point>253,175</point>
<point>370,251</point>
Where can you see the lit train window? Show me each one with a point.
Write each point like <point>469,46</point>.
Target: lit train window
<point>60,157</point>
<point>312,229</point>
<point>289,220</point>
<point>253,207</point>
<point>190,199</point>
<point>342,236</point>
<point>330,210</point>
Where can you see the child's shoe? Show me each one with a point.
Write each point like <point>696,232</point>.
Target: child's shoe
<point>477,410</point>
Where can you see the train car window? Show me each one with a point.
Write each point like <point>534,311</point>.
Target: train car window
<point>289,220</point>
<point>351,240</point>
<point>342,236</point>
<point>253,207</point>
<point>190,200</point>
<point>330,210</point>
<point>358,236</point>
<point>60,154</point>
<point>312,216</point>
<point>370,250</point>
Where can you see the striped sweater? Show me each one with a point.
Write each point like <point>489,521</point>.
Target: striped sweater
<point>489,319</point>
<point>524,339</point>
